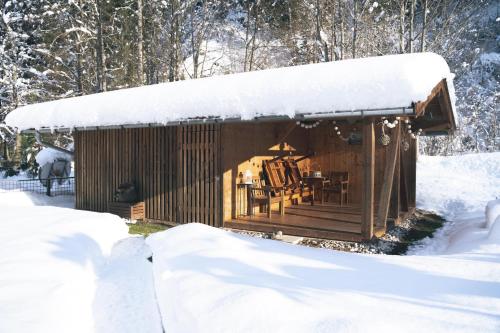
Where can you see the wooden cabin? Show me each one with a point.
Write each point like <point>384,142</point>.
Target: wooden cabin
<point>337,175</point>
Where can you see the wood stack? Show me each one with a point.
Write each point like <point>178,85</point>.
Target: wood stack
<point>131,211</point>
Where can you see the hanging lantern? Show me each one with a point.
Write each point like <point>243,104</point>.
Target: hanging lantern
<point>406,145</point>
<point>384,139</point>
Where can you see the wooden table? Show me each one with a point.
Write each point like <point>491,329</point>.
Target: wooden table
<point>317,183</point>
<point>244,205</point>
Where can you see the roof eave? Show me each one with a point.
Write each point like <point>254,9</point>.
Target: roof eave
<point>399,111</point>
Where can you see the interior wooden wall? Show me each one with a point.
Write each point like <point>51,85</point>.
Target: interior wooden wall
<point>245,145</point>
<point>334,154</point>
<point>175,169</point>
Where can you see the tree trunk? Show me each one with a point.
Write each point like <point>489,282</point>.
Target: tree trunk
<point>100,56</point>
<point>254,34</point>
<point>412,19</point>
<point>342,29</point>
<point>355,28</point>
<point>195,48</point>
<point>174,41</point>
<point>333,55</point>
<point>18,150</point>
<point>402,8</point>
<point>319,41</point>
<point>424,26</point>
<point>140,42</point>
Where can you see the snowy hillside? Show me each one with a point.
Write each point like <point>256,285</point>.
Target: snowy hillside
<point>454,186</point>
<point>458,188</point>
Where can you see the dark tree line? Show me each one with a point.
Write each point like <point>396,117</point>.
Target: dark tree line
<point>51,49</point>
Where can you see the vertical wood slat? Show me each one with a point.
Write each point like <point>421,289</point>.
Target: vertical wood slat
<point>77,170</point>
<point>367,200</point>
<point>199,204</point>
<point>217,173</point>
<point>161,172</point>
<point>210,176</point>
<point>189,171</point>
<point>204,176</point>
<point>169,179</point>
<point>175,169</point>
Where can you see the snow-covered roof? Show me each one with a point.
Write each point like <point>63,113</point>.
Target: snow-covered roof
<point>378,84</point>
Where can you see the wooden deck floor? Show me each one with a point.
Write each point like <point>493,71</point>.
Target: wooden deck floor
<point>321,220</point>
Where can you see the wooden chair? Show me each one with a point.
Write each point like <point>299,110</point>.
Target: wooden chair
<point>339,183</point>
<point>262,194</point>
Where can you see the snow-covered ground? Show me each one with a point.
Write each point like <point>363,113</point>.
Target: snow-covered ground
<point>210,280</point>
<point>458,188</point>
<point>63,270</point>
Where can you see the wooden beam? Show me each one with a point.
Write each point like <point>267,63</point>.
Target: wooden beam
<point>403,179</point>
<point>420,106</point>
<point>293,230</point>
<point>395,204</point>
<point>367,197</point>
<point>413,174</point>
<point>385,194</point>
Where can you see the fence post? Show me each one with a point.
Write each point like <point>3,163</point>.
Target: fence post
<point>49,186</point>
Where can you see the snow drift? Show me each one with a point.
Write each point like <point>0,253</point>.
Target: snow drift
<point>211,280</point>
<point>65,270</point>
<point>394,81</point>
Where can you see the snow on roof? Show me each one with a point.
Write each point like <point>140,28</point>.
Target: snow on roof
<point>386,82</point>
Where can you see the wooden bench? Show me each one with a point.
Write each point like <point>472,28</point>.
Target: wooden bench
<point>262,194</point>
<point>338,183</point>
<point>131,211</point>
<point>285,174</point>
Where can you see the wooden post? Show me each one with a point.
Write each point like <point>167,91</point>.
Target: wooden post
<point>403,176</point>
<point>282,202</point>
<point>413,174</point>
<point>367,197</point>
<point>394,207</point>
<point>385,194</point>
<point>269,204</point>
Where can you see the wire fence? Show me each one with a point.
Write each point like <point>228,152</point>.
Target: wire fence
<point>48,186</point>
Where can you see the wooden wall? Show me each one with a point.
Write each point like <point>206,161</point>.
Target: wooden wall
<point>176,170</point>
<point>190,173</point>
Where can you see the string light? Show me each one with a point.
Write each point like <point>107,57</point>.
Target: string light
<point>338,132</point>
<point>413,134</point>
<point>308,124</point>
